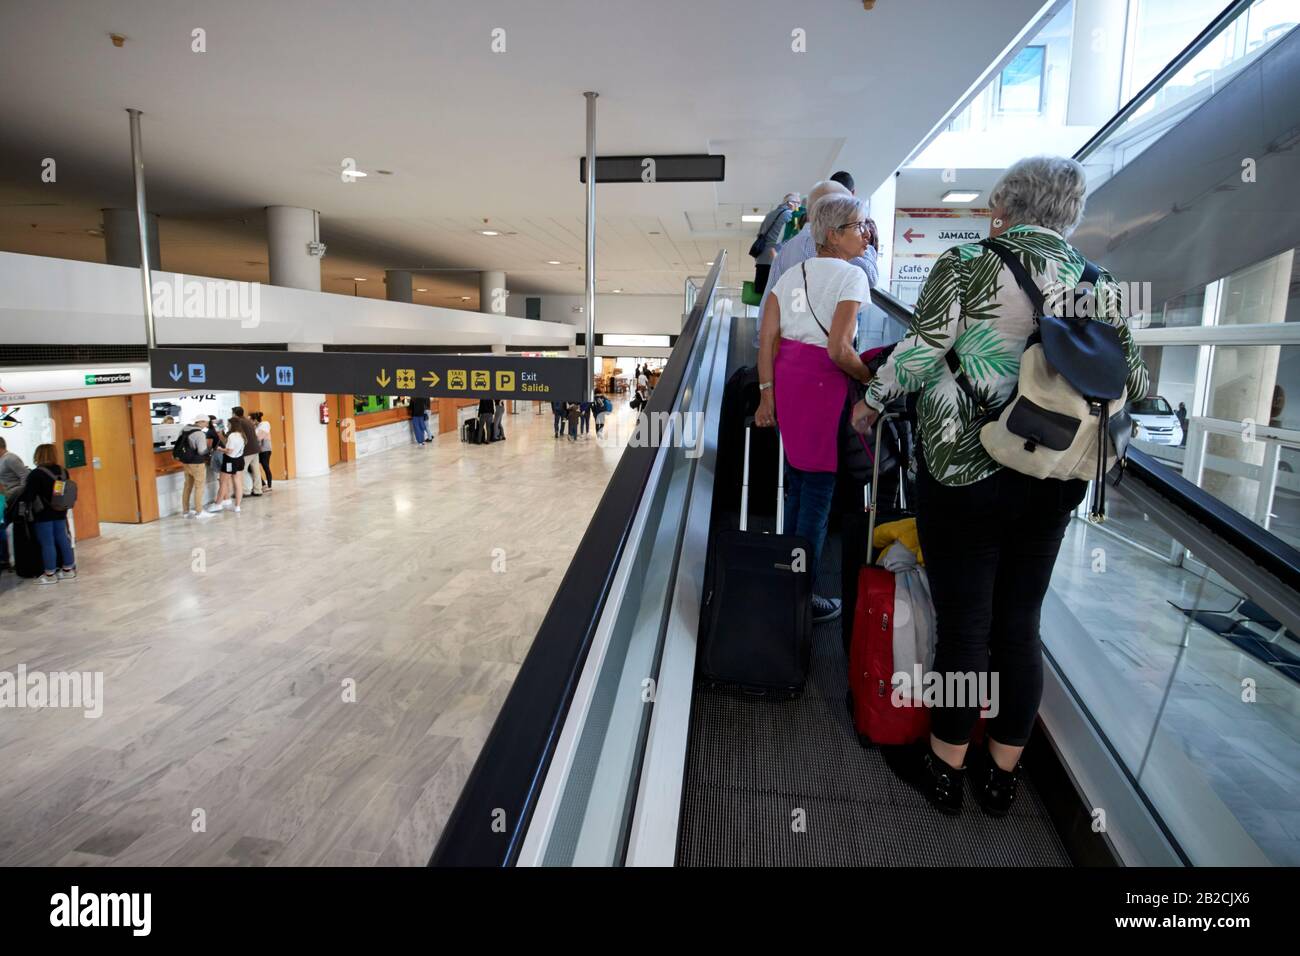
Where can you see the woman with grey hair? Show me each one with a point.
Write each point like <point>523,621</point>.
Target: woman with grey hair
<point>805,360</point>
<point>990,535</point>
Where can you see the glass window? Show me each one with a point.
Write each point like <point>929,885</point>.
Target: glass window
<point>1020,84</point>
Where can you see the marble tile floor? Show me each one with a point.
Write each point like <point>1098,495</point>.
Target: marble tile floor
<point>421,574</point>
<point>1248,751</point>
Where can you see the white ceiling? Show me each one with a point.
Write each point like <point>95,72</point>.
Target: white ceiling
<point>289,88</point>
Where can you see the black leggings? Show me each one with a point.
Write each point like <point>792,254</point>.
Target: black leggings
<point>265,458</point>
<point>989,550</point>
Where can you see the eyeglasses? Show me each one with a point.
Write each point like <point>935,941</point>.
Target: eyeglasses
<point>862,226</point>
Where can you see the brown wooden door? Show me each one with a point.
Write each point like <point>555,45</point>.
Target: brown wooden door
<point>333,433</point>
<point>114,462</point>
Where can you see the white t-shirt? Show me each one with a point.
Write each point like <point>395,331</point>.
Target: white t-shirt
<point>830,282</point>
<point>234,445</point>
<point>642,381</point>
<point>263,430</point>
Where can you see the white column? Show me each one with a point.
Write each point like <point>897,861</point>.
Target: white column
<point>122,238</point>
<point>492,292</point>
<point>1096,62</point>
<point>288,231</point>
<point>310,437</point>
<point>398,286</point>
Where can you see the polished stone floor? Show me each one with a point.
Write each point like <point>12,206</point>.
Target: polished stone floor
<point>307,682</point>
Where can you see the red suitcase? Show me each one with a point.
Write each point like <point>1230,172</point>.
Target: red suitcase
<point>871,667</point>
<point>871,653</point>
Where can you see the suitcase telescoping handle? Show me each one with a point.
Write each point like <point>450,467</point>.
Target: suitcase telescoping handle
<point>872,494</point>
<point>780,484</point>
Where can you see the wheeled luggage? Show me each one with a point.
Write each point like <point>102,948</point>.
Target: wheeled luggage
<point>756,622</point>
<point>740,397</point>
<point>880,716</point>
<point>469,431</point>
<point>27,559</point>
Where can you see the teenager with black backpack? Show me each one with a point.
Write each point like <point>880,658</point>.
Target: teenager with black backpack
<point>192,451</point>
<point>46,499</point>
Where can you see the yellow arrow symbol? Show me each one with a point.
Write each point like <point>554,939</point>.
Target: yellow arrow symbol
<point>432,379</point>
<point>382,378</point>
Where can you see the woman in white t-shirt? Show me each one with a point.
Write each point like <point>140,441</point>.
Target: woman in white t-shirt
<point>232,467</point>
<point>806,360</point>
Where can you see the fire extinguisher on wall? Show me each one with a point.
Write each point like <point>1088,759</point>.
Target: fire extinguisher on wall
<point>324,413</point>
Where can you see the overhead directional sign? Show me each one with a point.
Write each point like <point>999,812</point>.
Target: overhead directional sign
<point>680,168</point>
<point>371,373</point>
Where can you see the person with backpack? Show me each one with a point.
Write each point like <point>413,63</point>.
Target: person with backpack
<point>991,533</point>
<point>48,494</point>
<point>768,242</point>
<point>192,451</point>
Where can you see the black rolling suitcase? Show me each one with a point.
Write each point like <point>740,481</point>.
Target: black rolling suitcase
<point>756,622</point>
<point>740,398</point>
<point>469,431</point>
<point>27,559</point>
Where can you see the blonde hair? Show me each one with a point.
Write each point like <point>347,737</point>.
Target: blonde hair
<point>45,455</point>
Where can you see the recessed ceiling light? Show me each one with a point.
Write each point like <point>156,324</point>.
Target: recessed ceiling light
<point>552,262</point>
<point>960,195</point>
<point>749,217</point>
<point>488,232</point>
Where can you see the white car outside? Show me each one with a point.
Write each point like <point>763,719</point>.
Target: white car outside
<point>1154,421</point>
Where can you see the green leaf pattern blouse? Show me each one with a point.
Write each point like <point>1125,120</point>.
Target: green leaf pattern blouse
<point>971,304</point>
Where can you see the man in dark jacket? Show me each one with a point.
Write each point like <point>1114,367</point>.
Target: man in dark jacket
<point>419,406</point>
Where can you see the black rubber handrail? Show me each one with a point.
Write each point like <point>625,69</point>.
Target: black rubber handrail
<point>1263,547</point>
<point>491,816</point>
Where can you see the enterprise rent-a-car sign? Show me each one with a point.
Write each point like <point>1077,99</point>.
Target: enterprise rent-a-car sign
<point>371,373</point>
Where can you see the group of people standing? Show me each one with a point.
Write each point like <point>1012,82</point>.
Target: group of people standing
<point>578,415</point>
<point>31,498</point>
<point>242,446</point>
<point>990,535</point>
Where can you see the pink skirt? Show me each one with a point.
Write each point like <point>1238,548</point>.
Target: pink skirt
<point>810,394</point>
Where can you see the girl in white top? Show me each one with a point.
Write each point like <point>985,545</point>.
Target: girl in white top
<point>232,464</point>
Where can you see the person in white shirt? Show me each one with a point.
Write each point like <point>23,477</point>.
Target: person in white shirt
<point>232,467</point>
<point>263,432</point>
<point>806,361</point>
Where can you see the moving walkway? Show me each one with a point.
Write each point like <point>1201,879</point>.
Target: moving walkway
<point>1160,740</point>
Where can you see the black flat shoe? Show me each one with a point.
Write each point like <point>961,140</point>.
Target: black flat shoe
<point>919,767</point>
<point>995,788</point>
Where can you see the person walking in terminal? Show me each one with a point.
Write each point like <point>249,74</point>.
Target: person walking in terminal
<point>263,448</point>
<point>602,408</point>
<point>232,469</point>
<point>192,450</point>
<point>574,412</point>
<point>990,535</point>
<point>50,523</point>
<point>584,409</point>
<point>557,414</point>
<point>419,405</point>
<point>12,475</point>
<point>805,361</point>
